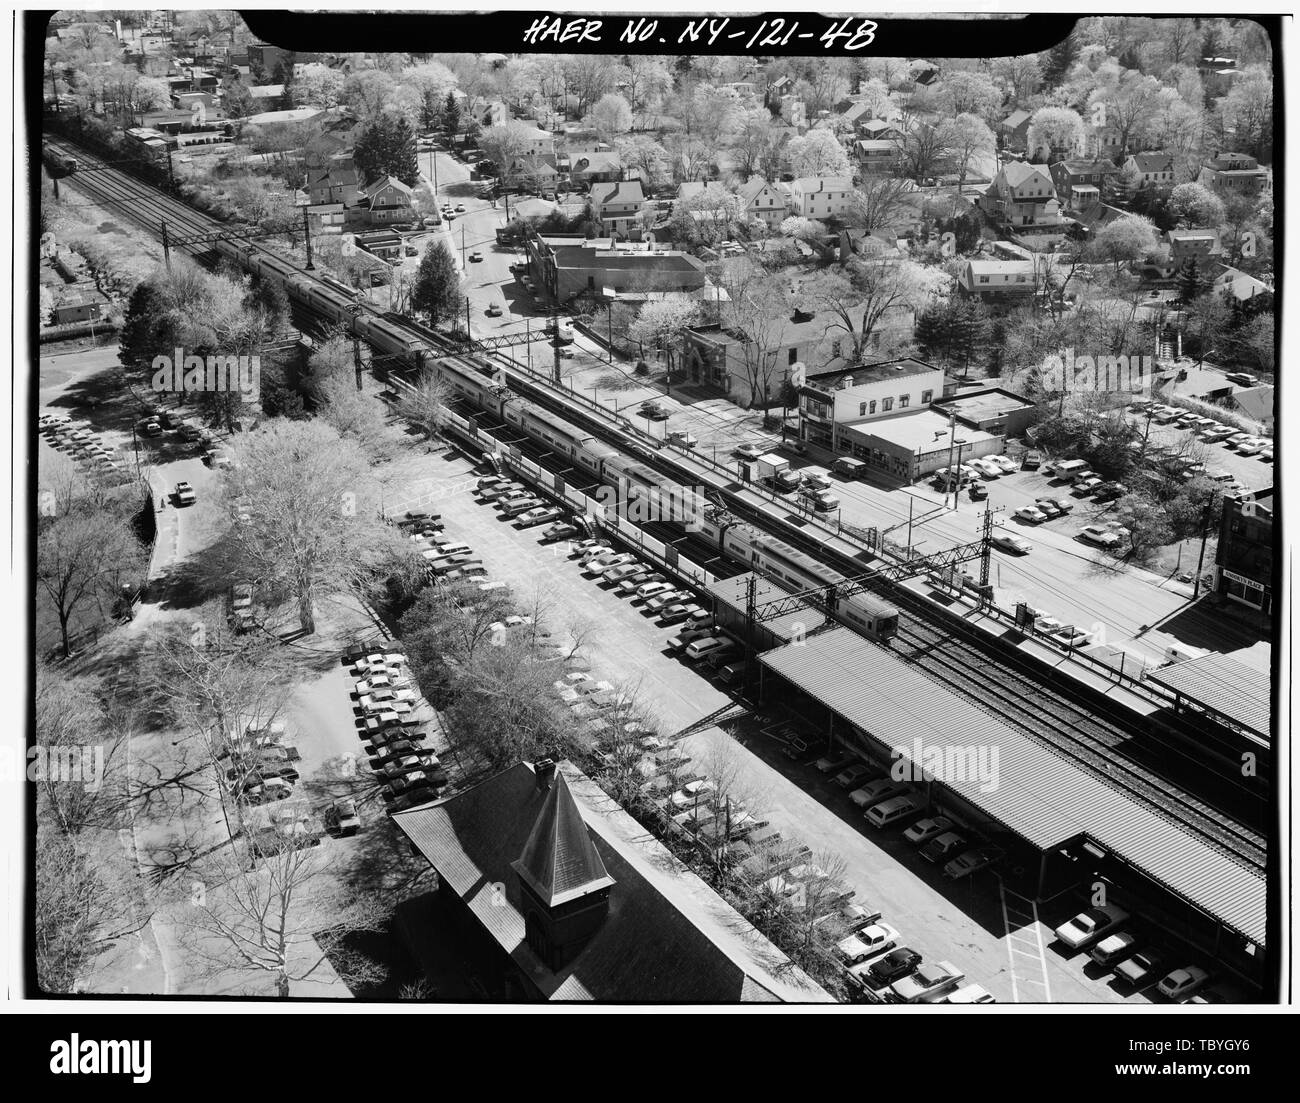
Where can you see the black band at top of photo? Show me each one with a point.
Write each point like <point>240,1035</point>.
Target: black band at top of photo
<point>768,33</point>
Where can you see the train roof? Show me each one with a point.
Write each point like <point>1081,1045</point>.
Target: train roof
<point>872,604</point>
<point>553,422</point>
<point>774,546</point>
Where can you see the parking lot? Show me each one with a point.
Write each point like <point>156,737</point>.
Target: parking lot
<point>966,922</point>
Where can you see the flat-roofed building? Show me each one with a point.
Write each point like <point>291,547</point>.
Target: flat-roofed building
<point>565,265</point>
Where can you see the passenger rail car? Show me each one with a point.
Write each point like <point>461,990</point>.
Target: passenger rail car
<point>482,383</point>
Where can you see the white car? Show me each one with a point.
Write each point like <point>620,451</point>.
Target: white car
<point>1103,538</point>
<point>868,942</point>
<point>1009,543</point>
<point>1089,926</point>
<point>1181,983</point>
<point>986,468</point>
<point>652,589</point>
<point>1008,465</point>
<point>1030,513</point>
<point>818,482</point>
<point>929,982</point>
<point>970,993</point>
<point>599,564</point>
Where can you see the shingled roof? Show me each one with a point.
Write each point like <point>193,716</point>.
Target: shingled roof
<point>667,936</point>
<point>560,862</point>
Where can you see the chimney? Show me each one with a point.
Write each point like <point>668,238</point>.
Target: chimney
<point>544,768</point>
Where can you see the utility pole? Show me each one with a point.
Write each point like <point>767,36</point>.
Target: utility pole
<point>356,358</point>
<point>166,244</point>
<point>986,553</point>
<point>462,246</point>
<point>306,235</point>
<point>468,334</point>
<point>171,173</point>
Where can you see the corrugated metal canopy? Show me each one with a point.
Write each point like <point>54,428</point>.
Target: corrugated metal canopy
<point>1223,684</point>
<point>1039,795</point>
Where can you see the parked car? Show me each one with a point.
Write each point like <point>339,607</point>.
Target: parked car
<point>1032,514</point>
<point>927,982</point>
<point>561,530</point>
<point>536,516</point>
<point>1095,534</point>
<point>943,847</point>
<point>834,763</point>
<point>1083,487</point>
<point>674,614</point>
<point>873,792</point>
<point>1032,460</point>
<point>1141,968</point>
<point>924,830</point>
<point>748,451</point>
<point>341,817</point>
<point>475,257</point>
<point>1181,983</point>
<point>972,861</point>
<point>185,495</point>
<point>977,491</point>
<point>986,468</point>
<point>853,776</point>
<point>687,635</point>
<point>710,645</point>
<point>642,576</point>
<point>1010,543</point>
<point>666,599</point>
<point>894,810</point>
<point>868,942</point>
<point>598,565</point>
<point>1090,925</point>
<point>1114,948</point>
<point>818,481</point>
<point>893,966</point>
<point>1008,465</point>
<point>652,589</point>
<point>493,310</point>
<point>970,993</point>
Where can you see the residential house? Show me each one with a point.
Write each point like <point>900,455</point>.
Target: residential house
<point>538,141</point>
<point>997,282</point>
<point>1095,217</point>
<point>547,890</point>
<point>602,167</point>
<point>821,197</point>
<point>854,114</point>
<point>1096,175</point>
<point>617,205</point>
<point>1154,170</point>
<point>568,265</point>
<point>1013,131</point>
<point>1235,285</point>
<point>538,171</point>
<point>1103,142</point>
<point>880,130</point>
<point>334,181</point>
<point>759,199</point>
<point>1233,174</point>
<point>265,59</point>
<point>1178,249</point>
<point>1022,197</point>
<point>877,155</point>
<point>386,201</point>
<point>266,96</point>
<point>79,304</point>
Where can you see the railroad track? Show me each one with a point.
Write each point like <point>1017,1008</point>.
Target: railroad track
<point>1063,725</point>
<point>1084,740</point>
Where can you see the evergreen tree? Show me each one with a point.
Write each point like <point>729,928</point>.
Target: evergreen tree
<point>141,325</point>
<point>969,331</point>
<point>1191,282</point>
<point>1059,59</point>
<point>436,293</point>
<point>451,114</point>
<point>933,331</point>
<point>387,148</point>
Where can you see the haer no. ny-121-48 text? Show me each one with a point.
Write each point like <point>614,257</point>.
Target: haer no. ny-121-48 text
<point>764,34</point>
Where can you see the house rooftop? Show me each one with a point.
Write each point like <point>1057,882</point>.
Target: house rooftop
<point>617,191</point>
<point>921,432</point>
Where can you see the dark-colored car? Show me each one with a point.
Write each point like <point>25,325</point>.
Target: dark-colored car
<point>895,964</point>
<point>360,650</point>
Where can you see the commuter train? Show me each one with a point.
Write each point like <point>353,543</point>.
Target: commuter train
<point>480,382</point>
